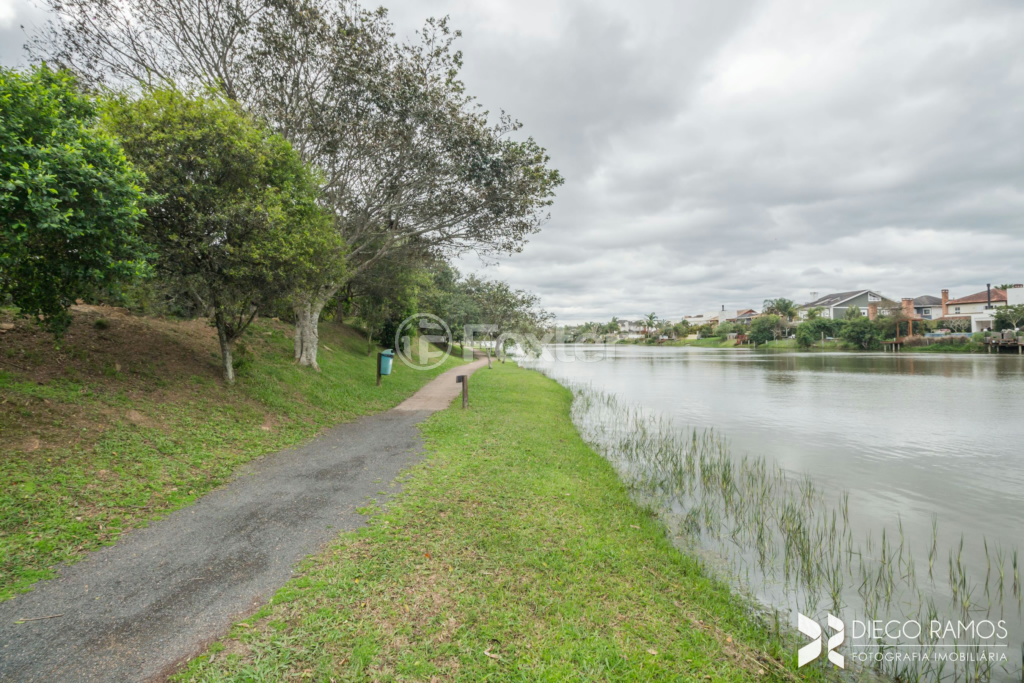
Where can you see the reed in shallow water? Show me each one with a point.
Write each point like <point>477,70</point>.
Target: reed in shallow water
<point>781,534</point>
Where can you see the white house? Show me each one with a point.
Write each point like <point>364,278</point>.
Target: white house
<point>982,306</point>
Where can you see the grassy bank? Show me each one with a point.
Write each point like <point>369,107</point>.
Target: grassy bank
<point>969,347</point>
<point>710,342</point>
<point>514,553</point>
<point>128,419</point>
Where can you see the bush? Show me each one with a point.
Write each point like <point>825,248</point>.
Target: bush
<point>766,328</point>
<point>810,332</point>
<point>70,204</point>
<point>978,337</point>
<point>950,341</point>
<point>725,329</point>
<point>861,332</point>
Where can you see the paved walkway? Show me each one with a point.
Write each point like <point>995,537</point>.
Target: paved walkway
<point>135,610</point>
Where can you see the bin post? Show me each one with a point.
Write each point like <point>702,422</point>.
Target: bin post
<point>465,391</point>
<point>379,356</point>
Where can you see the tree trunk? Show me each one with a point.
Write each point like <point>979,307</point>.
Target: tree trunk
<point>307,332</point>
<point>301,315</point>
<point>225,353</point>
<point>369,342</point>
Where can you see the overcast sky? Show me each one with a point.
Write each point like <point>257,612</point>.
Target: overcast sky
<point>722,153</point>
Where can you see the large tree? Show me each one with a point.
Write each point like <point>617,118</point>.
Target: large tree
<point>766,328</point>
<point>407,156</point>
<point>1010,317</point>
<point>511,311</point>
<point>236,224</point>
<point>650,322</point>
<point>781,307</point>
<point>447,297</point>
<point>70,202</point>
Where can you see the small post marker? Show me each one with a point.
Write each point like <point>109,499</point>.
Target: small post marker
<point>379,356</point>
<point>464,381</point>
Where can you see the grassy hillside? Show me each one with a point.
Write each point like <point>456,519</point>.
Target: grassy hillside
<point>514,553</point>
<point>128,419</point>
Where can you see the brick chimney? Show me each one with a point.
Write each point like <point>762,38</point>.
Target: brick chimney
<point>872,311</point>
<point>945,303</point>
<point>908,307</point>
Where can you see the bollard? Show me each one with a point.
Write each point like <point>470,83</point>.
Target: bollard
<point>464,381</point>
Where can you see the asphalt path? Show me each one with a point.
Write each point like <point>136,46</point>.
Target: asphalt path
<point>136,610</point>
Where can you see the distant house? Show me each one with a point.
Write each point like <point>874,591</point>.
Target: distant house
<point>976,303</point>
<point>834,306</point>
<point>981,308</point>
<point>744,317</point>
<point>928,307</point>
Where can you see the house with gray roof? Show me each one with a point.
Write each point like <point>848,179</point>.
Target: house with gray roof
<point>928,307</point>
<point>835,305</point>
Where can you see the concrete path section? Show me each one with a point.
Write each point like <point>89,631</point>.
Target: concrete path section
<point>135,610</point>
<point>439,394</point>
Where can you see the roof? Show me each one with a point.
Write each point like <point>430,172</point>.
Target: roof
<point>981,297</point>
<point>833,299</point>
<point>830,300</point>
<point>927,300</point>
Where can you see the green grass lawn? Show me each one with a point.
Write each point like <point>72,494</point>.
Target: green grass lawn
<point>709,342</point>
<point>513,554</point>
<point>104,445</point>
<point>779,344</point>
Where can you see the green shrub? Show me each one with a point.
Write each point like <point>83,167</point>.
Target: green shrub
<point>861,332</point>
<point>70,203</point>
<point>810,332</point>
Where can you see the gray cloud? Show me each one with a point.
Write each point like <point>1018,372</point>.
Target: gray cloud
<point>724,153</point>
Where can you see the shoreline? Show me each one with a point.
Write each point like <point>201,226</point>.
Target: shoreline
<point>831,347</point>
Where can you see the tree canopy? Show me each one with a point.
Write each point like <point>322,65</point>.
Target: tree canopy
<point>766,328</point>
<point>70,202</point>
<point>862,332</point>
<point>406,156</point>
<point>236,222</point>
<point>1010,317</point>
<point>781,307</point>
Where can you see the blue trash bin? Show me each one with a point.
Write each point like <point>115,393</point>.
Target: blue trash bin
<point>386,358</point>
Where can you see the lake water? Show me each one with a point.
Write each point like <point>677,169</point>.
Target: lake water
<point>910,437</point>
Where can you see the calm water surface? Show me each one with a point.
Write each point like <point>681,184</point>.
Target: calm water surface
<point>909,436</point>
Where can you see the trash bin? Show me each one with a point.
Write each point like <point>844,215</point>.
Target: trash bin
<point>386,359</point>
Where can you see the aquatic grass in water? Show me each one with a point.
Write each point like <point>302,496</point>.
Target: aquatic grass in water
<point>781,539</point>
